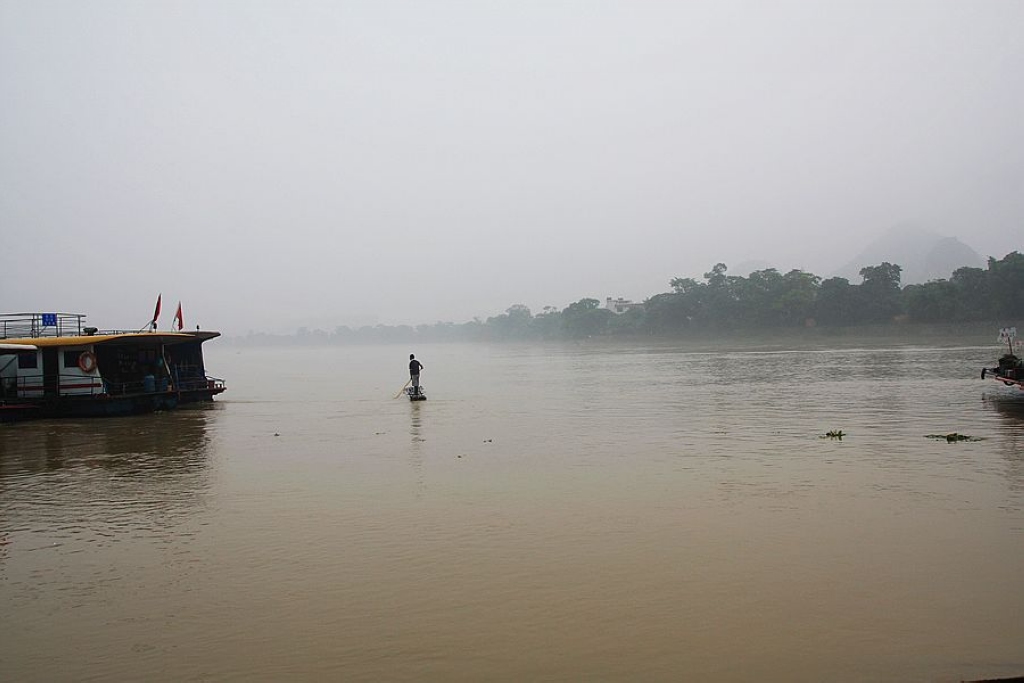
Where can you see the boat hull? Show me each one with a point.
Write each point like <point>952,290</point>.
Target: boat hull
<point>95,406</point>
<point>16,412</point>
<point>1008,382</point>
<point>105,405</point>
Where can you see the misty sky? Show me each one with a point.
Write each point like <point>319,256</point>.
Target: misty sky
<point>277,164</point>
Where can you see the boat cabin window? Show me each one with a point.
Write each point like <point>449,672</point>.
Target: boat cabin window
<point>71,358</point>
<point>28,360</point>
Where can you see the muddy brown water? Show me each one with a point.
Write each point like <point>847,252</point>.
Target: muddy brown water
<point>578,512</point>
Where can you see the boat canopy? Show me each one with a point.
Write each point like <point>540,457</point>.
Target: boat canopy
<point>146,338</point>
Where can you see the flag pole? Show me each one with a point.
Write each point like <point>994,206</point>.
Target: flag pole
<point>151,325</point>
<point>156,311</point>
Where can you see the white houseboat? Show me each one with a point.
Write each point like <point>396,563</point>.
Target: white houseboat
<point>51,365</point>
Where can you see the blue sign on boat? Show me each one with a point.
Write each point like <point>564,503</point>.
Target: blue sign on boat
<point>49,320</point>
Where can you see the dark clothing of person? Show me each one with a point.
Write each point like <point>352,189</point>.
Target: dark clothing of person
<point>414,375</point>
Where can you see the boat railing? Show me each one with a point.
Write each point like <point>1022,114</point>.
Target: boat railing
<point>79,385</point>
<point>116,332</point>
<point>36,386</point>
<point>199,383</point>
<point>14,325</point>
<point>193,377</point>
<point>143,386</point>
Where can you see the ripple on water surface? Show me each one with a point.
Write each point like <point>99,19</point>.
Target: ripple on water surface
<point>558,513</point>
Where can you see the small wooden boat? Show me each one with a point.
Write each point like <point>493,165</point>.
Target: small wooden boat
<point>1010,368</point>
<point>416,393</point>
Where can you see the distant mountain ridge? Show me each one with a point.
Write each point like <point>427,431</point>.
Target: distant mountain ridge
<point>922,254</point>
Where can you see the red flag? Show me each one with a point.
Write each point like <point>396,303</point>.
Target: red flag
<point>177,318</point>
<point>156,313</point>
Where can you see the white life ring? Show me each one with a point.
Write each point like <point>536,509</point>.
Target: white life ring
<point>87,361</point>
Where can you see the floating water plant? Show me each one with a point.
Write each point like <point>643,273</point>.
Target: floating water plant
<point>834,434</point>
<point>953,437</point>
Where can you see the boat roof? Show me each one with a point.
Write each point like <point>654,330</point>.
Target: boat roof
<point>144,338</point>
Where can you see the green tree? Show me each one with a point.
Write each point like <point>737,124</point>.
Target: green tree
<point>755,297</point>
<point>514,323</point>
<point>932,301</point>
<point>675,310</point>
<point>836,303</point>
<point>720,306</point>
<point>548,323</point>
<point>1006,285</point>
<point>632,321</point>
<point>879,294</point>
<point>971,292</point>
<point>585,318</point>
<point>795,304</point>
<point>685,285</point>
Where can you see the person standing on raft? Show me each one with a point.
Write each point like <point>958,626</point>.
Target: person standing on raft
<point>414,373</point>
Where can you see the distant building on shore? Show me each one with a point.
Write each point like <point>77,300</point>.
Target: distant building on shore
<point>620,305</point>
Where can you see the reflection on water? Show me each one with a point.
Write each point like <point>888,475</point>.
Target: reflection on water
<point>416,422</point>
<point>95,481</point>
<point>1010,407</point>
<point>97,521</point>
<point>417,440</point>
<point>145,444</point>
<point>610,514</point>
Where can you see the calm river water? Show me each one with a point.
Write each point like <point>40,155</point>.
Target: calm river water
<point>589,512</point>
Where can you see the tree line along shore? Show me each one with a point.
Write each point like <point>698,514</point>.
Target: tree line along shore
<point>765,302</point>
